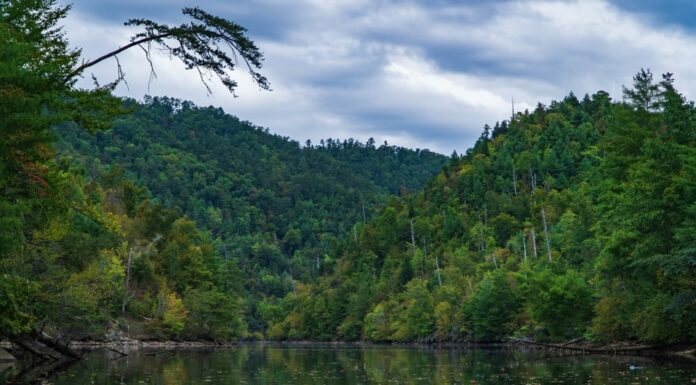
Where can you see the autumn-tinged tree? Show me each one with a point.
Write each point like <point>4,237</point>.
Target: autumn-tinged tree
<point>52,233</point>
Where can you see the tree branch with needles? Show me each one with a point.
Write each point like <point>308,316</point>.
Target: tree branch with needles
<point>211,45</point>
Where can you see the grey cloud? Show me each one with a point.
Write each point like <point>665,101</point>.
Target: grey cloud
<point>419,73</point>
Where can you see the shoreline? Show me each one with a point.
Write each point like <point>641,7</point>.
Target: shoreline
<point>624,349</point>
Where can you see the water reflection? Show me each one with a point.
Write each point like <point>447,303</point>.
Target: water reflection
<point>266,365</point>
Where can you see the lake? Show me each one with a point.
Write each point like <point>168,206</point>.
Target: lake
<point>352,365</point>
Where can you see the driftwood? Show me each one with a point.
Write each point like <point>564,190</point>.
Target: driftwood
<point>55,345</point>
<point>122,354</point>
<point>38,351</point>
<point>52,355</point>
<point>572,341</point>
<point>586,350</point>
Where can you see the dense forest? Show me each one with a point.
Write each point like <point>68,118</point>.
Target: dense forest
<point>572,220</point>
<point>162,219</point>
<point>274,207</point>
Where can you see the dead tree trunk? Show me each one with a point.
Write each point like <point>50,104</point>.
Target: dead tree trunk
<point>125,287</point>
<point>524,246</point>
<point>546,233</point>
<point>36,351</point>
<point>425,256</point>
<point>413,239</point>
<point>534,243</point>
<point>63,349</point>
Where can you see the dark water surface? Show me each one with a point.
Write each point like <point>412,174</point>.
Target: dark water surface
<point>367,365</point>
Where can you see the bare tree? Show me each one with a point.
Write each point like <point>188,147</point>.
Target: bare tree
<point>546,233</point>
<point>534,248</point>
<point>524,245</point>
<point>437,269</point>
<point>413,239</point>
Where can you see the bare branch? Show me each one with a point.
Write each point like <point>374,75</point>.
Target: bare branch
<point>77,71</point>
<point>148,57</point>
<point>120,76</point>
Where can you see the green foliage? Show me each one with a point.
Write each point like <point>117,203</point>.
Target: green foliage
<point>16,296</point>
<point>492,308</point>
<point>275,207</point>
<point>377,326</point>
<point>415,319</point>
<point>174,314</point>
<point>213,315</point>
<point>74,253</point>
<point>575,219</point>
<point>559,303</point>
<point>208,43</point>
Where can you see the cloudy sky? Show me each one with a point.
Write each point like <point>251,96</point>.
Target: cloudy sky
<point>419,73</point>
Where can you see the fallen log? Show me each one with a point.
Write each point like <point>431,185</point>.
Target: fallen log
<point>123,354</point>
<point>585,349</point>
<point>55,345</point>
<point>37,351</point>
<point>52,356</point>
<point>573,341</point>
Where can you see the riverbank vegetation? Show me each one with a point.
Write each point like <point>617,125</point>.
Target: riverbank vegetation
<point>572,220</point>
<point>162,219</point>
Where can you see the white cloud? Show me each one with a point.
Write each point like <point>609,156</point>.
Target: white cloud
<point>417,74</point>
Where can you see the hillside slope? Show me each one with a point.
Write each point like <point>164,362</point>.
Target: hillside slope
<point>274,206</point>
<point>575,219</point>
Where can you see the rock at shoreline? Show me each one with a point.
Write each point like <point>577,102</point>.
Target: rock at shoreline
<point>6,357</point>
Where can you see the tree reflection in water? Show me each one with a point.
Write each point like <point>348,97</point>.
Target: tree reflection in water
<point>349,365</point>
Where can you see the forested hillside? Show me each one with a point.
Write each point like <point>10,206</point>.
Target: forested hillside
<point>166,220</point>
<point>577,219</point>
<point>160,220</point>
<point>274,206</point>
<point>81,256</point>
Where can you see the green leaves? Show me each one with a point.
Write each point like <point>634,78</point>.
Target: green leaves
<point>645,94</point>
<point>17,296</point>
<point>560,303</point>
<point>492,308</point>
<point>647,213</point>
<point>211,45</point>
<point>607,189</point>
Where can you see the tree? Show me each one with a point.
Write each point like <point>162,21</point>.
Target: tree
<point>561,303</point>
<point>49,229</point>
<point>209,44</point>
<point>647,258</point>
<point>645,93</point>
<point>492,308</point>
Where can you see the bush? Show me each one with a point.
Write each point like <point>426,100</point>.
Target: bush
<point>492,308</point>
<point>15,299</point>
<point>562,304</point>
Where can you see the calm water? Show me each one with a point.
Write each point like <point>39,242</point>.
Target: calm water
<point>370,365</point>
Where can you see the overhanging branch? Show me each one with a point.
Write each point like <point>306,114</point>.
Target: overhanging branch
<point>209,44</point>
<point>77,71</point>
